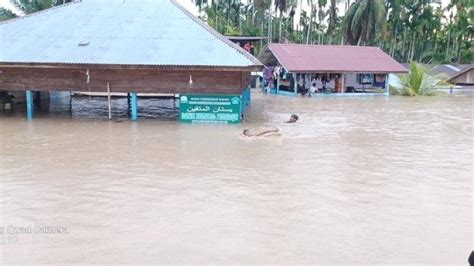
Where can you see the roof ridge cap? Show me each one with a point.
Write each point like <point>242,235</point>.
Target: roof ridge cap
<point>39,12</point>
<point>461,72</point>
<point>216,34</point>
<point>327,45</point>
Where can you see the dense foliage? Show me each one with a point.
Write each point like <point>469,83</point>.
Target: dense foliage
<point>408,30</point>
<point>422,30</point>
<point>420,81</point>
<point>6,14</point>
<point>30,6</point>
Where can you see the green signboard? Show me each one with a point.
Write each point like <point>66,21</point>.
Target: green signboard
<point>210,108</point>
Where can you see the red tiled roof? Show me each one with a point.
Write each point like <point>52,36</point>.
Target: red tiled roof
<point>334,58</point>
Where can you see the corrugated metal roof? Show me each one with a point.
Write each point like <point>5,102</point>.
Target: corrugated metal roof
<point>121,32</point>
<point>448,70</point>
<point>460,73</point>
<point>331,58</point>
<point>444,69</point>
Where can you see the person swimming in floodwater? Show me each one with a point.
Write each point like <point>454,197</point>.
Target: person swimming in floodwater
<point>269,132</point>
<point>293,119</point>
<point>264,133</point>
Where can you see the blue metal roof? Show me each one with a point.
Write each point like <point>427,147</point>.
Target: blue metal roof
<point>119,32</point>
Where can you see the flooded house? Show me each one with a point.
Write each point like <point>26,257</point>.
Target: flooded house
<point>459,77</point>
<point>293,69</point>
<point>464,77</point>
<point>131,47</point>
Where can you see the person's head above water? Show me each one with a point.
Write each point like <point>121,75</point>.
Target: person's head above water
<point>293,118</point>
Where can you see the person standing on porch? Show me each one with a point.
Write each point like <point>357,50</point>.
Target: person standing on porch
<point>252,49</point>
<point>313,89</point>
<point>267,77</point>
<point>247,47</point>
<point>300,83</point>
<point>307,83</point>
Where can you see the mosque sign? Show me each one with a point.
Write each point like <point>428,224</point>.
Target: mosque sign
<point>226,109</point>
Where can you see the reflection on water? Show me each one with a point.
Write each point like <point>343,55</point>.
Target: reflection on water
<point>357,180</point>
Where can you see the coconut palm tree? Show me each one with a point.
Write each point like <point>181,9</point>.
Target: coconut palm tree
<point>395,23</point>
<point>420,81</point>
<point>332,20</point>
<point>460,31</point>
<point>312,12</point>
<point>280,5</point>
<point>364,21</point>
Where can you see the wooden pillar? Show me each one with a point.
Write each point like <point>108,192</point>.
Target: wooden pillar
<point>278,83</point>
<point>128,103</point>
<point>246,98</point>
<point>249,94</point>
<point>387,85</point>
<point>134,106</point>
<point>70,104</point>
<point>29,104</point>
<point>295,85</point>
<point>343,83</point>
<point>109,101</point>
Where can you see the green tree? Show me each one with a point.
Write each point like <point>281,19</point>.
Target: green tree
<point>365,21</point>
<point>31,6</point>
<point>6,14</point>
<point>332,21</point>
<point>420,81</point>
<point>460,31</point>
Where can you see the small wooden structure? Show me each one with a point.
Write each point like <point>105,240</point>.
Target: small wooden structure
<point>464,77</point>
<point>140,46</point>
<point>336,70</point>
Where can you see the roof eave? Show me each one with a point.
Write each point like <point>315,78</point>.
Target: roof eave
<point>460,73</point>
<point>345,71</point>
<point>276,56</point>
<point>128,66</point>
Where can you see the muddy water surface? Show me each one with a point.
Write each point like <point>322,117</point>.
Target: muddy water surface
<point>357,180</point>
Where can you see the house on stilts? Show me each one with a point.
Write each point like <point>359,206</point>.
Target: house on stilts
<point>116,46</point>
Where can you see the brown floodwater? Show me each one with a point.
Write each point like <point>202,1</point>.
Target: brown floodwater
<point>356,181</point>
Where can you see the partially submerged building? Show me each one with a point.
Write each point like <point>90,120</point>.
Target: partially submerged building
<point>342,70</point>
<point>463,77</point>
<point>459,76</point>
<point>139,46</point>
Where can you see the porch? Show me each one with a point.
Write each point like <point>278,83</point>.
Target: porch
<point>327,70</point>
<point>323,85</point>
